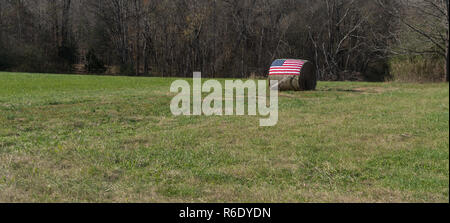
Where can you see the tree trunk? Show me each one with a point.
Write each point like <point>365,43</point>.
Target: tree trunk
<point>1,23</point>
<point>447,57</point>
<point>138,6</point>
<point>145,59</point>
<point>65,23</point>
<point>447,63</point>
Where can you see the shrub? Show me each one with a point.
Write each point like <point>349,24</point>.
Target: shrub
<point>94,64</point>
<point>5,60</point>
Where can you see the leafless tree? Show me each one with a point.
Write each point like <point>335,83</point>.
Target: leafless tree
<point>429,20</point>
<point>222,38</point>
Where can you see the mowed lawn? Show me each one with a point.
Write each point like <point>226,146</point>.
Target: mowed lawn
<point>69,138</point>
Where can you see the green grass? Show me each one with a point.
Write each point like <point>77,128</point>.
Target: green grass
<point>113,139</point>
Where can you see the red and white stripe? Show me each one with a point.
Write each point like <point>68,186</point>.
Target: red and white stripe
<point>290,67</point>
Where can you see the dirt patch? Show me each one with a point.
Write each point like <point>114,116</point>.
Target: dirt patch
<point>373,90</point>
<point>362,90</point>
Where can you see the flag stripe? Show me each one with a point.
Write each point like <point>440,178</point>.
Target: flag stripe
<point>286,68</point>
<point>294,74</point>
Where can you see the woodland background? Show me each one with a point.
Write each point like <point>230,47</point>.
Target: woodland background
<point>370,40</point>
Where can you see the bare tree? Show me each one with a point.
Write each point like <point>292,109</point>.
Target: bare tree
<point>341,39</point>
<point>429,19</point>
<point>222,38</point>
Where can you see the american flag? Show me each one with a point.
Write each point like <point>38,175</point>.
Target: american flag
<point>286,67</point>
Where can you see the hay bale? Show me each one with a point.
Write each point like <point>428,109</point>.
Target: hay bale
<point>293,75</point>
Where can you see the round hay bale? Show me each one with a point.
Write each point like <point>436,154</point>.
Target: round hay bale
<point>293,75</point>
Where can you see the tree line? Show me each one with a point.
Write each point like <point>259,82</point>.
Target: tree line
<point>345,39</point>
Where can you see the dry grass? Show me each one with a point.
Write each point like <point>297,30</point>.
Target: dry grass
<point>418,69</point>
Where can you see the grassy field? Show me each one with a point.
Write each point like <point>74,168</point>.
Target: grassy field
<point>67,138</point>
